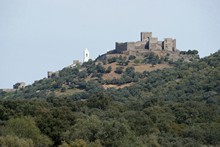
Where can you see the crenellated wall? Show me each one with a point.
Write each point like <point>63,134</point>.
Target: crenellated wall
<point>120,47</point>
<point>147,42</point>
<point>153,43</point>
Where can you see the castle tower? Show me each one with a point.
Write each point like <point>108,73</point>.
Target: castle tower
<point>168,44</point>
<point>145,36</point>
<point>85,55</point>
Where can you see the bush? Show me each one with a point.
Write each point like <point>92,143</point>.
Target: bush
<point>132,57</point>
<point>63,89</point>
<point>137,61</point>
<point>100,68</point>
<point>152,59</point>
<point>119,70</point>
<point>189,52</point>
<point>111,60</point>
<point>26,128</point>
<point>14,141</point>
<point>122,61</point>
<point>108,70</point>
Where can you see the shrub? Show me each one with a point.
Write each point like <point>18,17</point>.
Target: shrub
<point>119,70</point>
<point>132,57</point>
<point>108,70</point>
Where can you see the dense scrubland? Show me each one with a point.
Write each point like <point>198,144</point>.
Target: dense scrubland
<point>174,106</point>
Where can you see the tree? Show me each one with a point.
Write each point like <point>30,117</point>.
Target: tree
<point>137,61</point>
<point>63,89</point>
<point>130,71</point>
<point>152,58</point>
<point>108,70</point>
<point>111,60</point>
<point>78,143</point>
<point>25,128</point>
<point>99,100</point>
<point>15,141</point>
<point>119,70</point>
<point>84,128</point>
<point>15,86</point>
<point>100,68</point>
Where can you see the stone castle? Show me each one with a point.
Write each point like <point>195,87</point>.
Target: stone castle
<point>147,43</point>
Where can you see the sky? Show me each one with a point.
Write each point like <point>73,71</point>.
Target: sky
<point>37,36</point>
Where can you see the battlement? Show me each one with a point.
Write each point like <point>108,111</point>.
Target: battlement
<point>145,36</point>
<point>147,43</point>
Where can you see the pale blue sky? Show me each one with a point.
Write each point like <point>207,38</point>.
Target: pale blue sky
<point>37,36</point>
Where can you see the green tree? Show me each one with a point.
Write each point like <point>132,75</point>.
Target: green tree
<point>14,141</point>
<point>111,60</point>
<point>108,70</point>
<point>25,128</point>
<point>100,68</point>
<point>119,70</point>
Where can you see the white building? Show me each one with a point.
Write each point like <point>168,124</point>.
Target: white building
<point>85,55</point>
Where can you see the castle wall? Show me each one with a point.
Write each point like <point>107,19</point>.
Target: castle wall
<point>120,47</point>
<point>130,45</point>
<point>140,45</point>
<point>153,43</point>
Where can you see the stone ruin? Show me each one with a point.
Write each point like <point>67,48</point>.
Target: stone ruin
<point>19,85</point>
<point>147,43</point>
<point>56,74</point>
<point>51,74</point>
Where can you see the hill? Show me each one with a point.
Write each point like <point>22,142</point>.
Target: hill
<point>118,102</point>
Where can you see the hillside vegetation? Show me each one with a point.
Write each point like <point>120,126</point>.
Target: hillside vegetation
<point>116,102</point>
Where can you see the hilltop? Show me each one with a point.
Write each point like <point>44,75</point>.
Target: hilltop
<point>145,55</point>
<point>159,98</point>
<point>110,69</point>
<point>148,45</point>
